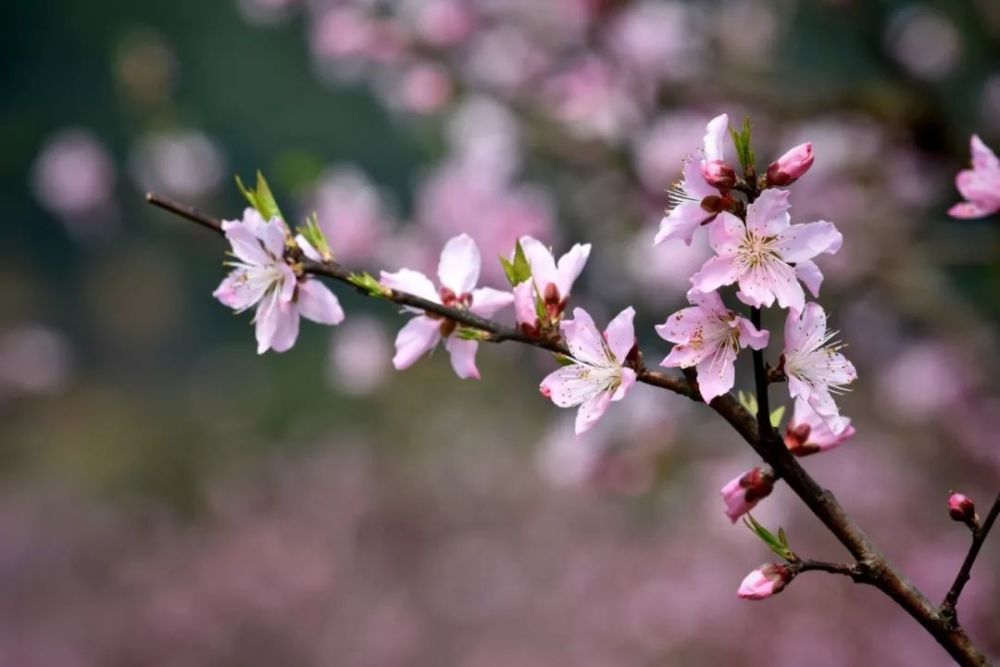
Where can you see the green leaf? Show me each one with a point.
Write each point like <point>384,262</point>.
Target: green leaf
<point>260,197</point>
<point>367,283</point>
<point>776,415</point>
<point>747,400</point>
<point>312,233</point>
<point>776,543</point>
<point>742,140</point>
<point>519,269</point>
<point>564,360</point>
<point>466,333</point>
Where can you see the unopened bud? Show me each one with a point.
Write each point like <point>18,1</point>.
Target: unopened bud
<point>718,174</point>
<point>791,166</point>
<point>743,493</point>
<point>961,508</point>
<point>765,581</point>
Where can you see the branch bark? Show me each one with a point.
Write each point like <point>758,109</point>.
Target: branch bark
<point>871,564</point>
<point>965,572</point>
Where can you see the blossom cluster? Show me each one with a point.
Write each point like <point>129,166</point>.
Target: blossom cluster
<point>758,251</point>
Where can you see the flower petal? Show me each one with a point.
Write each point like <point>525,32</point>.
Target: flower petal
<point>803,242</point>
<point>543,264</point>
<point>715,273</point>
<point>307,248</point>
<point>458,269</point>
<point>411,282</point>
<point>486,301</point>
<point>968,210</point>
<point>317,303</point>
<point>717,373</point>
<point>524,303</point>
<point>681,222</point>
<point>806,332</point>
<point>726,234</point>
<point>810,275</point>
<point>768,216</point>
<point>620,334</point>
<point>982,156</point>
<point>570,267</point>
<point>246,246</point>
<point>463,357</point>
<point>591,411</point>
<point>417,337</point>
<point>287,330</point>
<point>584,341</point>
<point>685,324</point>
<point>716,135</point>
<point>570,385</point>
<point>751,336</point>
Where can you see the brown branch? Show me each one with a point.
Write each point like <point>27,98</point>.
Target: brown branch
<point>852,570</point>
<point>979,534</point>
<point>875,568</point>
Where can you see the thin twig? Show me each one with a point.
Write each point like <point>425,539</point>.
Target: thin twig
<point>757,433</point>
<point>852,570</point>
<point>965,572</point>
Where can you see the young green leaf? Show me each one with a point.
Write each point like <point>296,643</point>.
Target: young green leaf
<point>367,283</point>
<point>776,415</point>
<point>747,400</point>
<point>519,269</point>
<point>260,197</point>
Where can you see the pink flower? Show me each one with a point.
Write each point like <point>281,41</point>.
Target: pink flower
<point>767,256</point>
<point>807,433</point>
<point>961,508</point>
<point>744,492</point>
<point>791,166</point>
<point>598,374</point>
<point>765,581</point>
<point>550,284</point>
<point>980,185</point>
<point>815,366</point>
<point>693,202</point>
<point>262,277</point>
<point>458,272</point>
<point>709,336</point>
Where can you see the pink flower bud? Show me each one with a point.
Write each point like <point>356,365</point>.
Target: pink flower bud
<point>961,508</point>
<point>718,174</point>
<point>765,581</point>
<point>791,166</point>
<point>744,492</point>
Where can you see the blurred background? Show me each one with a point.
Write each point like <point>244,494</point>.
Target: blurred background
<point>170,498</point>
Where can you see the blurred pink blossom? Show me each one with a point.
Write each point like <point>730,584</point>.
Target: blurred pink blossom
<point>352,213</point>
<point>34,359</point>
<point>359,353</point>
<point>74,178</point>
<point>184,163</point>
<point>980,186</point>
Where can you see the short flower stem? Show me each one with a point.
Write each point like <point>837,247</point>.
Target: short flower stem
<point>979,534</point>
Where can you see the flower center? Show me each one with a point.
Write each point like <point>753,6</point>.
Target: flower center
<point>757,250</point>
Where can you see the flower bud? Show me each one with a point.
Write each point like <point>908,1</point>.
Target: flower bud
<point>961,508</point>
<point>765,581</point>
<point>718,174</point>
<point>791,166</point>
<point>744,492</point>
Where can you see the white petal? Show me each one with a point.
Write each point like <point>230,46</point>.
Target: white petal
<point>317,303</point>
<point>417,337</point>
<point>411,282</point>
<point>458,269</point>
<point>805,333</point>
<point>570,385</point>
<point>803,242</point>
<point>570,267</point>
<point>486,301</point>
<point>245,244</point>
<point>717,373</point>
<point>681,222</point>
<point>715,273</point>
<point>591,411</point>
<point>620,334</point>
<point>463,357</point>
<point>584,341</point>
<point>726,234</point>
<point>716,135</point>
<point>810,275</point>
<point>543,264</point>
<point>768,216</point>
